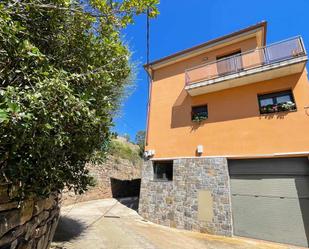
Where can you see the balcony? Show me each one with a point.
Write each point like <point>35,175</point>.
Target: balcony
<point>264,63</point>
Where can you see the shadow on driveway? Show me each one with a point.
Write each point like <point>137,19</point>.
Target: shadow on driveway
<point>68,229</point>
<point>126,192</point>
<point>130,202</point>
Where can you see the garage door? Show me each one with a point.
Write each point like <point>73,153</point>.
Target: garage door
<point>270,199</point>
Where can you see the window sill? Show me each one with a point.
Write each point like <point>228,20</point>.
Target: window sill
<point>199,122</point>
<point>164,181</point>
<point>277,112</point>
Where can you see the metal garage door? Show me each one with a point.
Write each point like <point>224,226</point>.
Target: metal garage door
<point>270,199</point>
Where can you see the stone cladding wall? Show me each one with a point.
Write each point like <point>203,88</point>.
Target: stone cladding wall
<point>175,203</point>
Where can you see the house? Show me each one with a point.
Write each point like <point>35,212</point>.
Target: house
<point>228,139</point>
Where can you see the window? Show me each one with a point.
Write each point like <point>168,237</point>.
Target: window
<point>199,113</point>
<point>163,170</point>
<point>276,102</point>
<point>229,63</point>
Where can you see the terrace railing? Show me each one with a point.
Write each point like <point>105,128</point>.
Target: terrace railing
<point>273,53</point>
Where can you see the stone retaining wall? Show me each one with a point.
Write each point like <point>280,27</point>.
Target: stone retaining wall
<point>27,225</point>
<point>114,168</point>
<point>176,203</point>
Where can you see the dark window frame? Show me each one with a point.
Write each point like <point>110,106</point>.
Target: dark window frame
<point>230,54</point>
<point>193,114</point>
<point>274,96</point>
<point>158,169</point>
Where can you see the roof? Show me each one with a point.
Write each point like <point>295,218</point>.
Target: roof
<point>184,53</point>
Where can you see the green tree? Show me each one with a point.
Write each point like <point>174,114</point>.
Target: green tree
<point>140,140</point>
<point>63,71</point>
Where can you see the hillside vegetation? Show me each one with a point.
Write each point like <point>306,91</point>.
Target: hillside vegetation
<point>120,149</point>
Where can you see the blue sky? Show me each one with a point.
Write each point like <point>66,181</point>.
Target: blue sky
<point>183,24</point>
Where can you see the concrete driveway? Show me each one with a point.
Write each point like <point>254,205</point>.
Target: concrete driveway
<point>108,224</point>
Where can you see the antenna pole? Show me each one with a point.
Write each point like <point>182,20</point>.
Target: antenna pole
<point>148,74</point>
<point>148,40</point>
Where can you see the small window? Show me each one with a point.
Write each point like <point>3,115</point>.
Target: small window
<point>276,102</point>
<point>163,170</point>
<point>199,113</point>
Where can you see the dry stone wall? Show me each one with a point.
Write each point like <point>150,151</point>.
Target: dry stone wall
<point>30,224</point>
<point>104,173</point>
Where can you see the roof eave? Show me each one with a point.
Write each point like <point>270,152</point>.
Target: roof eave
<point>263,25</point>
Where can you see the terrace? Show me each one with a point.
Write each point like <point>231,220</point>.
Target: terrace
<point>264,63</point>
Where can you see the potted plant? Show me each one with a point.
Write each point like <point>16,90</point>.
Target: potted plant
<point>199,117</point>
<point>281,107</point>
<point>288,106</point>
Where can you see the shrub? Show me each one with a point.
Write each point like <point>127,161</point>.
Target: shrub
<point>63,71</point>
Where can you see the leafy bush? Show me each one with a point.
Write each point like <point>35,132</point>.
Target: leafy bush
<point>63,70</point>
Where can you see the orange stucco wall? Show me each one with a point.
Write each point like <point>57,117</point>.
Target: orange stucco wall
<point>234,125</point>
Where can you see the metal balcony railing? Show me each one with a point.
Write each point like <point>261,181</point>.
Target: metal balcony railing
<point>273,53</point>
